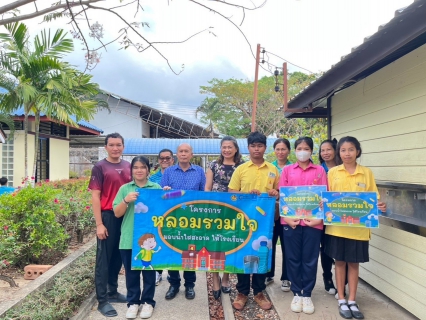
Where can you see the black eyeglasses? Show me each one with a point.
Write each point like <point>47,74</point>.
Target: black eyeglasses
<point>165,159</point>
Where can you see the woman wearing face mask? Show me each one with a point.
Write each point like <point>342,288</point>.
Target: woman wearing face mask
<point>302,237</point>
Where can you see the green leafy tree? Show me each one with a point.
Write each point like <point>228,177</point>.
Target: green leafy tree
<point>232,112</point>
<point>38,80</point>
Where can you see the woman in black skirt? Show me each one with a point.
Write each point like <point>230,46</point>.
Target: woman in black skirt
<point>344,244</point>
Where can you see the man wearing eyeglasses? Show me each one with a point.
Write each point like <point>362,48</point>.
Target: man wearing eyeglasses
<point>165,160</point>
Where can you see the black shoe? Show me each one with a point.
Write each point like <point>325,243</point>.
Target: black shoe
<point>216,293</point>
<point>226,289</point>
<point>347,314</point>
<point>171,293</point>
<point>189,293</point>
<point>356,314</point>
<point>329,286</point>
<point>117,298</point>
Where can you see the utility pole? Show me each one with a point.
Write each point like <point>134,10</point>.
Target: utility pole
<point>256,75</point>
<point>285,87</point>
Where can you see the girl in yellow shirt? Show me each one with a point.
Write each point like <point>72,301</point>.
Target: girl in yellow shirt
<point>344,244</point>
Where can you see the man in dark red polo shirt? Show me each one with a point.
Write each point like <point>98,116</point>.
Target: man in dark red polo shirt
<point>108,175</point>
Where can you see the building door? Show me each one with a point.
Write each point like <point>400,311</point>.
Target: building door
<point>42,170</point>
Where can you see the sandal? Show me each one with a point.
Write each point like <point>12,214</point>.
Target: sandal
<point>108,310</point>
<point>356,314</point>
<point>117,298</point>
<point>347,314</point>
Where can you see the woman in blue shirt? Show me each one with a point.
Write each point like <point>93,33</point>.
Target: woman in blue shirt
<point>282,150</point>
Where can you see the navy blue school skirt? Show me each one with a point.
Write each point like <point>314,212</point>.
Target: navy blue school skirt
<point>348,250</point>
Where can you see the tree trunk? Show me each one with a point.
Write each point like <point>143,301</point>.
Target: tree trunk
<point>37,129</point>
<point>9,280</point>
<point>26,143</point>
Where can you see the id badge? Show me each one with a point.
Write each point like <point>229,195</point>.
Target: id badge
<point>271,180</point>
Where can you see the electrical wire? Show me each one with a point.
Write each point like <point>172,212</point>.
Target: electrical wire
<point>289,62</point>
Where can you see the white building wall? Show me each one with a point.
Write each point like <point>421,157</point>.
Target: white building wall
<point>123,118</point>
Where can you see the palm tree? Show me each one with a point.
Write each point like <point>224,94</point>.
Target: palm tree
<point>40,82</point>
<point>208,110</point>
<point>7,120</point>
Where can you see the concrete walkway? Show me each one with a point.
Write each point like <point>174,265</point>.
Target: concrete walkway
<point>373,304</point>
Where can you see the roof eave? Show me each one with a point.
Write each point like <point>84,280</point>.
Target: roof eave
<point>398,32</point>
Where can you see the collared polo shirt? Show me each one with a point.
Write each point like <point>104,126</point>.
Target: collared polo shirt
<point>127,225</point>
<point>193,178</point>
<point>6,189</point>
<point>341,180</point>
<point>293,175</point>
<point>249,176</point>
<point>156,177</point>
<point>275,163</point>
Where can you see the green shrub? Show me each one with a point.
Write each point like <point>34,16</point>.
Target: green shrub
<point>39,222</point>
<point>32,228</point>
<point>73,175</point>
<point>87,173</point>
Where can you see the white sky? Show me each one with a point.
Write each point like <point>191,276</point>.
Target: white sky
<point>313,34</point>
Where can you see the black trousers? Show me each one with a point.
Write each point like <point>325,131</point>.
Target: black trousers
<point>189,276</point>
<point>326,261</point>
<point>302,246</point>
<point>257,283</point>
<point>278,234</point>
<point>133,282</point>
<point>108,258</point>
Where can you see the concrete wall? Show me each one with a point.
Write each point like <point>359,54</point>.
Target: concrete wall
<point>387,113</point>
<point>123,118</point>
<point>59,159</point>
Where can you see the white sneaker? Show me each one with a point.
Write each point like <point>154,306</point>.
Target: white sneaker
<point>296,304</point>
<point>132,311</point>
<point>147,311</point>
<point>158,278</point>
<point>337,294</point>
<point>285,285</point>
<point>308,306</point>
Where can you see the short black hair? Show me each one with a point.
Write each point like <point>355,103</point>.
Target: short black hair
<point>114,135</point>
<point>141,159</point>
<point>3,181</point>
<point>307,140</point>
<point>352,140</point>
<point>165,150</point>
<point>333,145</point>
<point>256,137</point>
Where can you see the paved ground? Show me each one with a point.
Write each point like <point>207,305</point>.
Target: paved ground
<point>373,304</point>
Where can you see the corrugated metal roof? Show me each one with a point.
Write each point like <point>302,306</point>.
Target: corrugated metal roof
<point>137,146</point>
<point>20,113</point>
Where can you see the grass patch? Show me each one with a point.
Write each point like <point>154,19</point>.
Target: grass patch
<point>63,297</point>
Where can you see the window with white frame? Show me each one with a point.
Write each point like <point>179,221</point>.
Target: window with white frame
<point>7,162</point>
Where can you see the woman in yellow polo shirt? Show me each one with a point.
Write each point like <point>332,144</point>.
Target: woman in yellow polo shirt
<point>344,244</point>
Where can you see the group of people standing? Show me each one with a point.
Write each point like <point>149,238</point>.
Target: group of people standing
<point>114,183</point>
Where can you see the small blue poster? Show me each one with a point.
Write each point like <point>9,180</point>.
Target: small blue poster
<point>351,209</point>
<point>301,202</point>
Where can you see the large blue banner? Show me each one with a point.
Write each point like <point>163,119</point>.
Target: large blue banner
<point>203,231</point>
